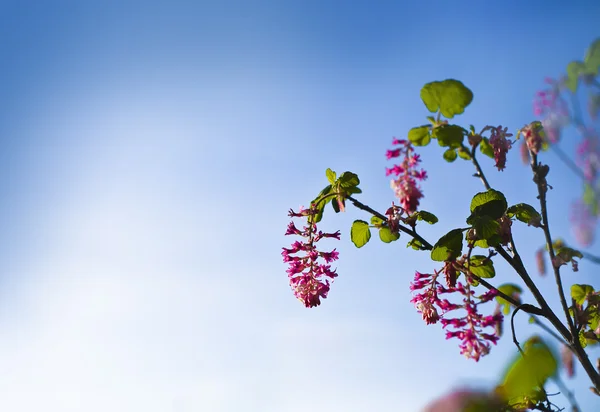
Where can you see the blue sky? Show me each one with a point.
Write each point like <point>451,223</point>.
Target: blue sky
<point>150,152</point>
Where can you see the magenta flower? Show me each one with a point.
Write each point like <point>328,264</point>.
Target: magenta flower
<point>583,223</point>
<point>471,328</point>
<point>405,185</point>
<point>308,277</point>
<point>500,144</point>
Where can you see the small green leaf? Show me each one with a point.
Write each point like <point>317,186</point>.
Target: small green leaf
<point>592,58</point>
<point>448,247</point>
<point>420,136</point>
<point>581,292</point>
<point>491,203</point>
<point>482,266</point>
<point>336,206</point>
<point>567,254</point>
<point>464,153</point>
<point>348,180</point>
<point>377,222</point>
<point>574,70</point>
<point>525,213</point>
<point>485,228</point>
<point>449,135</point>
<point>320,204</point>
<point>415,244</point>
<point>486,148</point>
<point>386,235</point>
<point>426,217</point>
<point>331,176</point>
<point>360,233</point>
<point>512,290</point>
<point>527,374</point>
<point>450,96</point>
<point>450,155</point>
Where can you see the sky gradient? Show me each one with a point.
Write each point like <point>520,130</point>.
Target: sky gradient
<point>150,153</point>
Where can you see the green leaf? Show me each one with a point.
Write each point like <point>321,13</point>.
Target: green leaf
<point>448,247</point>
<point>491,203</point>
<point>336,206</point>
<point>426,217</point>
<point>320,204</point>
<point>331,176</point>
<point>592,57</point>
<point>360,233</point>
<point>525,213</point>
<point>486,228</point>
<point>377,222</point>
<point>450,96</point>
<point>567,254</point>
<point>464,153</point>
<point>486,148</point>
<point>482,266</point>
<point>386,235</point>
<point>449,135</point>
<point>415,244</point>
<point>512,290</point>
<point>349,180</point>
<point>527,374</point>
<point>450,155</point>
<point>581,292</point>
<point>420,136</point>
<point>574,70</point>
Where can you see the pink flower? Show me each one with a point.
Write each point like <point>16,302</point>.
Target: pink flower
<point>469,328</point>
<point>583,222</point>
<point>500,144</point>
<point>405,185</point>
<point>309,279</point>
<point>534,136</point>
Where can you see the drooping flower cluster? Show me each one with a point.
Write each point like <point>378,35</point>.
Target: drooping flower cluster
<point>500,144</point>
<point>308,277</point>
<point>534,136</point>
<point>470,327</point>
<point>405,184</point>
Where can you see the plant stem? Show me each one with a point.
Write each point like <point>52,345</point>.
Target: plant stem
<point>404,229</point>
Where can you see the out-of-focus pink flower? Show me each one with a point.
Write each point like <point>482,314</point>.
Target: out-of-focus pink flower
<point>583,223</point>
<point>568,360</point>
<point>405,184</point>
<point>308,277</point>
<point>463,400</point>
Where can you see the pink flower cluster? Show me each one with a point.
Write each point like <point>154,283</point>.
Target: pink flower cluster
<point>309,279</point>
<point>500,144</point>
<point>475,342</point>
<point>405,184</point>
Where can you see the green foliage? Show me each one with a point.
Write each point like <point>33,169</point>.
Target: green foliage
<point>464,154</point>
<point>512,290</point>
<point>425,216</point>
<point>450,97</point>
<point>566,254</point>
<point>448,247</point>
<point>415,244</point>
<point>486,230</point>
<point>331,176</point>
<point>525,213</point>
<point>491,203</point>
<point>377,222</point>
<point>482,266</point>
<point>450,155</point>
<point>523,381</point>
<point>387,236</point>
<point>320,202</point>
<point>449,135</point>
<point>486,148</point>
<point>581,292</point>
<point>349,180</point>
<point>588,67</point>
<point>420,136</point>
<point>360,233</point>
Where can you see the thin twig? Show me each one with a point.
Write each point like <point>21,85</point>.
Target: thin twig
<point>404,229</point>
